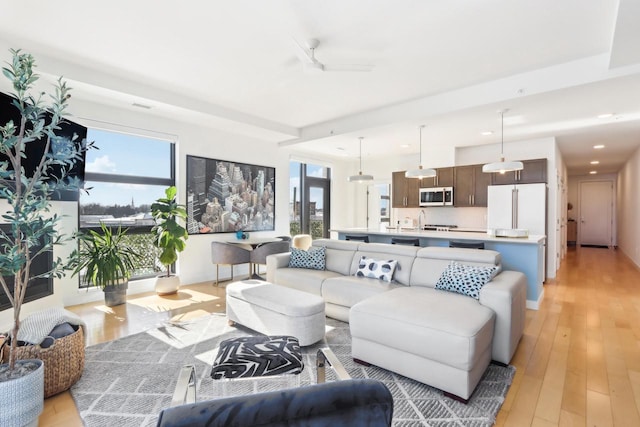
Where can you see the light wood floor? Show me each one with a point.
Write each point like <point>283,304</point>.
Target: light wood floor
<point>578,363</point>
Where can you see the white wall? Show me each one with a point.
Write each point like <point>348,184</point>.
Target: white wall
<point>628,211</point>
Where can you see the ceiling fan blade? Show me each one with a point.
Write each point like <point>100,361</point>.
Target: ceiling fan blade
<point>302,52</point>
<point>349,67</point>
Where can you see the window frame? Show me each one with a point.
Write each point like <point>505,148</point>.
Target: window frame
<point>131,179</point>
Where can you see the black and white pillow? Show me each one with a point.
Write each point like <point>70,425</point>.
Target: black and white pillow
<point>465,279</point>
<point>260,356</point>
<point>314,258</point>
<point>376,269</point>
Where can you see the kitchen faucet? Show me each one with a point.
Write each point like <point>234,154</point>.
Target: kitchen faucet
<point>421,215</point>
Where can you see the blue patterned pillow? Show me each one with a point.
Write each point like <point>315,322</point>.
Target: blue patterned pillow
<point>314,258</point>
<point>376,269</point>
<point>465,279</point>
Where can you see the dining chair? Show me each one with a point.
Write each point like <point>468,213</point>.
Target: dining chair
<point>228,254</point>
<point>259,255</point>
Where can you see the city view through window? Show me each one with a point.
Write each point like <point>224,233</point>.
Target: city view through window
<point>121,188</point>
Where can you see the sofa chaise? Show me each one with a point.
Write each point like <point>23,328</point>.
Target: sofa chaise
<point>441,338</point>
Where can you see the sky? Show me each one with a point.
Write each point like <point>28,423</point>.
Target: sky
<point>120,154</point>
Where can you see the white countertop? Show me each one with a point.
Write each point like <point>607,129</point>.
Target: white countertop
<point>461,234</point>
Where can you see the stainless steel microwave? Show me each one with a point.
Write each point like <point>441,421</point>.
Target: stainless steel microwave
<point>437,196</point>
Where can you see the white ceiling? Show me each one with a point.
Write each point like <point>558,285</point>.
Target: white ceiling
<point>451,65</point>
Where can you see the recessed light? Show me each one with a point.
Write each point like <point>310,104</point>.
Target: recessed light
<point>594,162</point>
<point>405,145</point>
<point>598,147</point>
<point>605,116</point>
<point>593,172</point>
<point>486,133</point>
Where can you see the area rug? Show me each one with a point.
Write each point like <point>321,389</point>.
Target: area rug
<point>127,382</point>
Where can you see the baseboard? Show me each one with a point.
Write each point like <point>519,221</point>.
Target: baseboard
<point>535,305</point>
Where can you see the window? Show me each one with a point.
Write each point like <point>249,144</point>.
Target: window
<point>310,196</point>
<point>124,177</point>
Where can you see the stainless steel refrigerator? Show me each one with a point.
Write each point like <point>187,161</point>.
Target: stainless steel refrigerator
<point>521,206</point>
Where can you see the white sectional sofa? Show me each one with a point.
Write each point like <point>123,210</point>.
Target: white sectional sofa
<point>441,338</point>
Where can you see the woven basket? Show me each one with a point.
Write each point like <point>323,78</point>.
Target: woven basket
<point>63,361</point>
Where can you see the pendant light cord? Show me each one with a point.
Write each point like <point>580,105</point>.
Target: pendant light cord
<point>421,146</point>
<point>360,138</point>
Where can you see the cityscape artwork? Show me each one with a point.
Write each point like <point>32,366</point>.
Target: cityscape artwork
<point>225,196</point>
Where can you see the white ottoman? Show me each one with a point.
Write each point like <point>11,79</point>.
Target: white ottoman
<point>276,310</point>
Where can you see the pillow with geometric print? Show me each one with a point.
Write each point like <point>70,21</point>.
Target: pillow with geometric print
<point>465,279</point>
<point>314,258</point>
<point>376,269</point>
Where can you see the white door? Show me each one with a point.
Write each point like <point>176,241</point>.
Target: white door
<point>596,213</point>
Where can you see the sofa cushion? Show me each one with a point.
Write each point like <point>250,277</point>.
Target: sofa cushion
<point>303,280</point>
<point>339,254</point>
<point>465,279</point>
<point>314,258</point>
<point>350,290</point>
<point>441,326</point>
<point>376,269</point>
<point>405,255</point>
<point>431,261</point>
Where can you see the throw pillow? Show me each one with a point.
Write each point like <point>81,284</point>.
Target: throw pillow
<point>376,269</point>
<point>314,258</point>
<point>465,279</point>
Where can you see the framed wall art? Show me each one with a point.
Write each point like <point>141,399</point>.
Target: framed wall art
<point>225,196</point>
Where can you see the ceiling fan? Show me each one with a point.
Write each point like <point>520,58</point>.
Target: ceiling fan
<point>307,54</point>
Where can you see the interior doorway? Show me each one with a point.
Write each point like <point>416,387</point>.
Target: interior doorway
<point>595,227</point>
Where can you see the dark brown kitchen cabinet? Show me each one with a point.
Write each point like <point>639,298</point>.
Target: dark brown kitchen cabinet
<point>470,187</point>
<point>445,178</point>
<point>405,191</point>
<point>533,171</point>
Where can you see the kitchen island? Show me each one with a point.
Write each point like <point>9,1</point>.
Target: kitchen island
<point>525,254</point>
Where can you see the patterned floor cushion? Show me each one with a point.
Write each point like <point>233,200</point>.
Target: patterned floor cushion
<point>249,357</point>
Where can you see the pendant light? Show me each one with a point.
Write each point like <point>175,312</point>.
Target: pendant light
<point>502,166</point>
<point>360,177</point>
<point>420,173</point>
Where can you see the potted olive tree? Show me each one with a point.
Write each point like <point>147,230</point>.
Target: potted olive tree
<point>170,237</point>
<point>32,228</point>
<point>106,260</point>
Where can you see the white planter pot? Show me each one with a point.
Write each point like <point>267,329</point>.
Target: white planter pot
<point>167,285</point>
<point>23,398</point>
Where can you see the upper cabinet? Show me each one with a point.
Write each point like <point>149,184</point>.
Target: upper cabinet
<point>405,192</point>
<point>470,187</point>
<point>445,178</point>
<point>534,171</point>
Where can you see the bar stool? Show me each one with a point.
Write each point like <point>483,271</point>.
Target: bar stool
<point>405,241</point>
<point>358,237</point>
<point>466,244</point>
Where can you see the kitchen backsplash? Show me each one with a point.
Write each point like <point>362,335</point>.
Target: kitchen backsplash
<point>462,217</point>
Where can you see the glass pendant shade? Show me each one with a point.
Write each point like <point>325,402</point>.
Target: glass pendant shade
<point>360,177</point>
<point>502,166</point>
<point>420,172</point>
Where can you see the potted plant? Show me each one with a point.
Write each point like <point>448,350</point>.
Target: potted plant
<point>107,261</point>
<point>170,237</point>
<point>29,221</point>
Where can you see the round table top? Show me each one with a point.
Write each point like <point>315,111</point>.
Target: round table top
<point>254,241</point>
